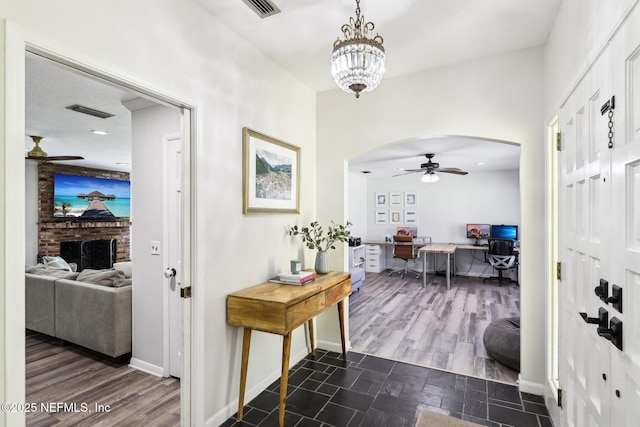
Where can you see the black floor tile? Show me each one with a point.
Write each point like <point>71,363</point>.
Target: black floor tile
<point>324,391</point>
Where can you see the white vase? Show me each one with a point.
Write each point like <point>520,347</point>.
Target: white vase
<point>322,262</point>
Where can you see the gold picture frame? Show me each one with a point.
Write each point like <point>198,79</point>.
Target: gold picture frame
<point>271,174</point>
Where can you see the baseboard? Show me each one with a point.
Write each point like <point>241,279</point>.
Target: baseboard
<point>147,367</point>
<point>530,387</point>
<point>223,415</point>
<point>336,347</point>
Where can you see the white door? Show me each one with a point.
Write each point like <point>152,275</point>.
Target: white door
<point>625,272</point>
<point>584,212</point>
<point>600,239</point>
<point>173,232</point>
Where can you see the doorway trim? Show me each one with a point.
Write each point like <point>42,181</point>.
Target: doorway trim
<point>18,41</point>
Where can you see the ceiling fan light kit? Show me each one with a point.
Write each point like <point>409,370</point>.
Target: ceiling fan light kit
<point>430,177</point>
<point>357,62</point>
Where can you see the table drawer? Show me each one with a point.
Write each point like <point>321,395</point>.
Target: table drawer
<point>338,293</point>
<point>305,310</point>
<point>373,249</point>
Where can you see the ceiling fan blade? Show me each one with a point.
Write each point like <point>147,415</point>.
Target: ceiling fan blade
<point>409,171</point>
<point>54,158</point>
<point>453,170</point>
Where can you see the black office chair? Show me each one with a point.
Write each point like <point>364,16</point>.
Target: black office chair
<point>404,249</point>
<point>502,256</point>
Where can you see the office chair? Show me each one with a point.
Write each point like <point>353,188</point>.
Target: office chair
<point>502,256</point>
<point>404,249</point>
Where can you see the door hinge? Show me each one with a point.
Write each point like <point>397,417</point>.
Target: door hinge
<point>559,270</point>
<point>560,397</point>
<point>558,141</point>
<point>185,292</point>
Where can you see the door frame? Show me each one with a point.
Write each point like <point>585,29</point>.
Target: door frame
<point>17,42</point>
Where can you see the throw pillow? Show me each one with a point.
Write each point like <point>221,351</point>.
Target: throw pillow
<point>124,266</point>
<point>56,262</point>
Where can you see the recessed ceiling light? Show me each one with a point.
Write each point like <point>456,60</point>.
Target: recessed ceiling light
<point>100,132</point>
<point>479,163</point>
<point>122,163</point>
<point>365,171</point>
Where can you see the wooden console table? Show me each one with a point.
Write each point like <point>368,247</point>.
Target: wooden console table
<point>279,309</point>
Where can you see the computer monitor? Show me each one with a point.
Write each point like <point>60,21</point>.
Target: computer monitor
<point>478,231</point>
<point>504,232</point>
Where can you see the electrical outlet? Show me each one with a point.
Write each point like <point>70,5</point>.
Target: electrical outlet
<point>155,247</point>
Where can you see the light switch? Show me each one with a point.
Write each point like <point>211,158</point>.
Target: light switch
<point>155,247</point>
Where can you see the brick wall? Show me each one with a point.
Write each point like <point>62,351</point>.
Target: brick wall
<point>52,231</point>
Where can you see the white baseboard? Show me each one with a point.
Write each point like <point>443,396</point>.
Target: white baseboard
<point>530,387</point>
<point>147,367</point>
<point>332,346</point>
<point>223,415</point>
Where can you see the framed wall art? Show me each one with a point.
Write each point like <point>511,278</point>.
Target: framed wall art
<point>395,199</point>
<point>271,174</point>
<point>395,217</point>
<point>410,217</point>
<point>410,199</point>
<point>382,216</point>
<point>381,200</point>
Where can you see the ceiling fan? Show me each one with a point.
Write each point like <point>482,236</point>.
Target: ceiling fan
<point>39,154</point>
<point>430,168</point>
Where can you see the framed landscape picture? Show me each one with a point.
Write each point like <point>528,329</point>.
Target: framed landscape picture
<point>271,174</point>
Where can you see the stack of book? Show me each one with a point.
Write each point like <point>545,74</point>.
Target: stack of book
<point>301,278</point>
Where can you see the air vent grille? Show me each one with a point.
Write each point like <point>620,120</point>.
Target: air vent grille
<point>262,8</point>
<point>89,111</point>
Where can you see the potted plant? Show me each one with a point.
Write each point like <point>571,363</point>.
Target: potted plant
<point>314,237</point>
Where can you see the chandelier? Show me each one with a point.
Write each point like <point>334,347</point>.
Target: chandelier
<point>357,62</point>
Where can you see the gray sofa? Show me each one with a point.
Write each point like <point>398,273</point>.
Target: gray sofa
<point>91,315</point>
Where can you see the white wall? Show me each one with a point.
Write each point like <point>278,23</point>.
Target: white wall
<point>445,207</point>
<point>499,98</point>
<point>358,208</point>
<point>177,48</point>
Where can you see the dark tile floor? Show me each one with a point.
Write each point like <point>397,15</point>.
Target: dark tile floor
<point>369,391</point>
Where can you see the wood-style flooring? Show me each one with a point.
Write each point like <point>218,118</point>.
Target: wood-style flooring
<point>71,386</point>
<point>400,320</point>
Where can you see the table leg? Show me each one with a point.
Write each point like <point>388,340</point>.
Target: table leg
<point>284,378</point>
<point>424,270</point>
<point>311,337</point>
<point>246,343</point>
<point>448,271</point>
<point>342,331</point>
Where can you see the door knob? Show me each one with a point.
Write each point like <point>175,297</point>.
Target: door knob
<point>613,333</point>
<point>602,320</point>
<point>169,273</point>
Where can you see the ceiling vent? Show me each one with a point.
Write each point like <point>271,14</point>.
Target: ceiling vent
<point>89,111</point>
<point>262,8</point>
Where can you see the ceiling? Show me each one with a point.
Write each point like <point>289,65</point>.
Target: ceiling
<point>300,39</point>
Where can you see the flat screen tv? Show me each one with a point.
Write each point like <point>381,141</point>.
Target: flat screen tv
<point>504,232</point>
<point>90,197</point>
<point>478,231</point>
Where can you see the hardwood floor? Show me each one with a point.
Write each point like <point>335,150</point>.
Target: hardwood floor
<point>71,386</point>
<point>398,319</point>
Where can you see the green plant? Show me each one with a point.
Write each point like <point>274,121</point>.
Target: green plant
<point>314,238</point>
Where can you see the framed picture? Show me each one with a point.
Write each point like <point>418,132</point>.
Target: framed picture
<point>381,200</point>
<point>410,199</point>
<point>382,216</point>
<point>271,174</point>
<point>410,217</point>
<point>395,198</point>
<point>395,217</point>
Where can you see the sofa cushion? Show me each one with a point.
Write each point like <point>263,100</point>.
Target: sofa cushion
<point>124,266</point>
<point>56,262</point>
<point>111,278</point>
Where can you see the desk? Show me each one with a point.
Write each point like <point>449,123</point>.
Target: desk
<point>436,248</point>
<point>279,309</point>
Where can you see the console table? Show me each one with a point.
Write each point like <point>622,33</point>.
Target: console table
<point>279,309</point>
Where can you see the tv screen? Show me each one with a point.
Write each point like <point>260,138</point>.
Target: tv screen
<point>90,197</point>
<point>504,232</point>
<point>478,231</point>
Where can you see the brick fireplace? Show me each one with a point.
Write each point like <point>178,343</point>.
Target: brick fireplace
<point>52,231</point>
